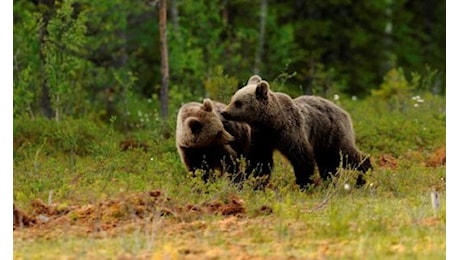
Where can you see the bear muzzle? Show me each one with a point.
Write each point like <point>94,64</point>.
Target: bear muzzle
<point>226,115</point>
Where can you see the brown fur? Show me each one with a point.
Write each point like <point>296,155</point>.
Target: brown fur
<point>306,130</point>
<point>206,141</point>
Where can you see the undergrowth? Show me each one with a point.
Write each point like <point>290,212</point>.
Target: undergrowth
<point>78,162</point>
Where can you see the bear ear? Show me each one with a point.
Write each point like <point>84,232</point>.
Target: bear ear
<point>207,104</point>
<point>254,79</point>
<point>195,125</point>
<point>262,90</point>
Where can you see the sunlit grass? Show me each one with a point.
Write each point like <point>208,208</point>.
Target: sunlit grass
<point>392,216</point>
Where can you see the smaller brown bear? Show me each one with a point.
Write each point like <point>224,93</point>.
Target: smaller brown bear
<point>306,130</point>
<point>206,141</point>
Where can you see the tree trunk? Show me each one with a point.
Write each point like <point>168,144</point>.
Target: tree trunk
<point>260,49</point>
<point>388,39</point>
<point>174,14</point>
<point>45,100</point>
<point>122,61</point>
<point>164,62</point>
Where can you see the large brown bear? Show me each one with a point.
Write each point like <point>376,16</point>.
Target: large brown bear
<point>206,141</point>
<point>305,130</point>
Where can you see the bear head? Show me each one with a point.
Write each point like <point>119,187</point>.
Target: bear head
<point>249,104</point>
<point>200,125</point>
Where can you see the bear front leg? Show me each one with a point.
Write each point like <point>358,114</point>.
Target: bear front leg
<point>328,161</point>
<point>260,157</point>
<point>260,166</point>
<point>347,159</point>
<point>260,161</point>
<point>229,163</point>
<point>362,163</point>
<point>303,161</point>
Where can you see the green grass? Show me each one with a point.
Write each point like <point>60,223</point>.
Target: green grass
<point>80,163</point>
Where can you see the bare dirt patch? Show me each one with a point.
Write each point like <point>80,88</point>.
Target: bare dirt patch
<point>388,161</point>
<point>437,158</point>
<point>117,213</point>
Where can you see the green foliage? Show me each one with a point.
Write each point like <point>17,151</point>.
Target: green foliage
<point>280,46</point>
<point>220,87</point>
<point>430,81</point>
<point>23,96</point>
<point>394,86</point>
<point>419,124</point>
<point>195,50</point>
<point>64,68</point>
<point>72,136</point>
<point>72,53</point>
<point>26,60</point>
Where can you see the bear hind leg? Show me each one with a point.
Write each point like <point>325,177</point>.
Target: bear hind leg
<point>328,162</point>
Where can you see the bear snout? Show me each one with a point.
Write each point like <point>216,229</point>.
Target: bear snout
<point>226,115</point>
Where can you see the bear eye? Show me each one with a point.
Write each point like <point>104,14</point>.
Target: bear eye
<point>195,127</point>
<point>238,104</point>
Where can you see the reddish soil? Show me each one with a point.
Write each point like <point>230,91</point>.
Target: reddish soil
<point>438,158</point>
<point>435,159</point>
<point>115,213</point>
<point>388,161</point>
<point>130,144</point>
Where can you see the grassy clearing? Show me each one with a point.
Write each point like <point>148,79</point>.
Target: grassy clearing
<point>76,164</point>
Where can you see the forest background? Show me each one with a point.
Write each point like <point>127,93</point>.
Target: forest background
<point>88,59</point>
